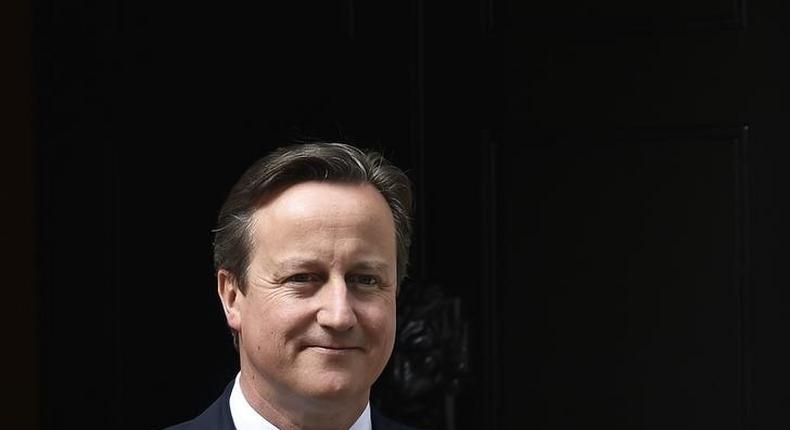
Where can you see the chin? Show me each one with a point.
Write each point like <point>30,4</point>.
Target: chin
<point>336,386</point>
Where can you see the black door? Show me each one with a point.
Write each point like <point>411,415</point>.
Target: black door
<point>600,211</point>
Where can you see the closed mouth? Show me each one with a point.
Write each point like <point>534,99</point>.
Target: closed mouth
<point>333,348</point>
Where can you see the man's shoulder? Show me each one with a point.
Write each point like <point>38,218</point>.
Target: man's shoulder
<point>187,425</point>
<point>215,417</point>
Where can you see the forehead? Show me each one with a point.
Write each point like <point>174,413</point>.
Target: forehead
<point>304,199</point>
<point>314,209</point>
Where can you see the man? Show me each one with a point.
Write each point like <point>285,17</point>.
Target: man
<point>310,247</point>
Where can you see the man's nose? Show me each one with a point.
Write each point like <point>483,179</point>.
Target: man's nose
<point>337,310</point>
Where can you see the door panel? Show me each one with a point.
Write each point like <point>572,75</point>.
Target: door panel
<point>621,278</point>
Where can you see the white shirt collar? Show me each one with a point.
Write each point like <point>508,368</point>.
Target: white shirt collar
<point>247,418</point>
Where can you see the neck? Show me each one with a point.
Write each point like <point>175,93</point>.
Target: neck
<point>294,412</point>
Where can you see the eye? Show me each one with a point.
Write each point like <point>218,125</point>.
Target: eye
<point>364,280</point>
<point>302,278</point>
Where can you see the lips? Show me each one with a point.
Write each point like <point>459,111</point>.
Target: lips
<point>334,349</point>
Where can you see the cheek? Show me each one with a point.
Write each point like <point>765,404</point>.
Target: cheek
<point>262,321</point>
<point>381,322</point>
<point>278,321</point>
<point>381,335</point>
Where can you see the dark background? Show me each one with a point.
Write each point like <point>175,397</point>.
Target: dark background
<point>600,190</point>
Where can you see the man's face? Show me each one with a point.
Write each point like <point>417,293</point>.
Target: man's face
<point>318,317</point>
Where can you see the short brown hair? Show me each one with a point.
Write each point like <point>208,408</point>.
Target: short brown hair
<point>290,165</point>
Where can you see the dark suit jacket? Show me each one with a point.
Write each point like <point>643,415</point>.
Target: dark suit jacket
<point>217,417</point>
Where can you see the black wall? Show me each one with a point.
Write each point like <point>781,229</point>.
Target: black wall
<point>18,321</point>
<point>600,199</point>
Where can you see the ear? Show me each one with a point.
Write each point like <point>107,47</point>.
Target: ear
<point>231,298</point>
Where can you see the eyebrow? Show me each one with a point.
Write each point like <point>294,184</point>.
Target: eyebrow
<point>376,266</point>
<point>296,263</point>
<point>300,262</point>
